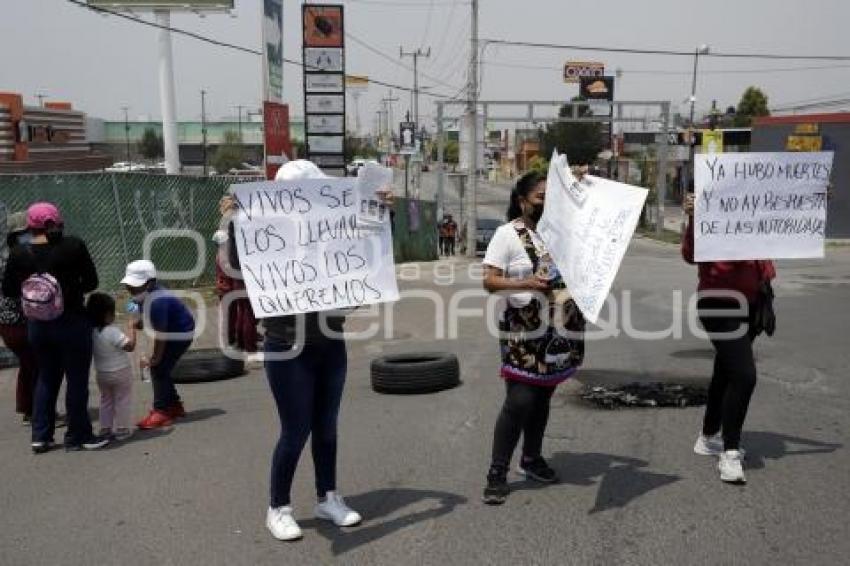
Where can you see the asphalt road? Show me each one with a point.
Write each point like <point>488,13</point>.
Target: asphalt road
<point>632,492</point>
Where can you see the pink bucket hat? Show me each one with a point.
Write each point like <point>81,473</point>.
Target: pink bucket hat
<point>40,213</point>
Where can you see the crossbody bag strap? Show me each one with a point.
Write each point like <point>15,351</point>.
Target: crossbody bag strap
<point>527,243</point>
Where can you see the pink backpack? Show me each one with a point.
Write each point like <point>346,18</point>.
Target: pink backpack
<point>41,297</point>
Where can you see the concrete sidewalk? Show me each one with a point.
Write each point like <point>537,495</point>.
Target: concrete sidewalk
<point>632,491</point>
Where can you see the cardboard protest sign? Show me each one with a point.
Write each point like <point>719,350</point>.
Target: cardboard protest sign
<point>760,205</point>
<point>302,249</point>
<point>587,226</point>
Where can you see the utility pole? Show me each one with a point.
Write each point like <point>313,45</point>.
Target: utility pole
<point>388,108</point>
<point>127,131</point>
<point>40,98</point>
<point>472,216</point>
<point>416,55</point>
<point>204,128</point>
<point>701,50</point>
<point>239,108</point>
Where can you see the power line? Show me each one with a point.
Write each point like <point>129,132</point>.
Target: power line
<point>227,45</point>
<point>667,51</point>
<point>398,4</point>
<point>427,24</point>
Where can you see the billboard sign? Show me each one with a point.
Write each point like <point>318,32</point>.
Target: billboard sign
<point>574,70</point>
<point>276,136</point>
<point>323,26</point>
<point>597,88</point>
<point>273,50</point>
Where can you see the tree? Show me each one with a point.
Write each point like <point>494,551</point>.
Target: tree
<point>753,103</point>
<point>229,154</point>
<point>581,141</point>
<point>539,163</point>
<point>151,146</point>
<point>358,147</point>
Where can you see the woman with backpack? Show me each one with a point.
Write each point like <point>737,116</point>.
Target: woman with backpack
<point>13,325</point>
<point>51,277</point>
<point>542,342</point>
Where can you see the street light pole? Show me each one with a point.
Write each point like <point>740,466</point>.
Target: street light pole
<point>127,131</point>
<point>472,219</point>
<point>204,128</point>
<point>701,50</point>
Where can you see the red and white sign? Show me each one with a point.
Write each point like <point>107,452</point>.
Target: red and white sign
<point>276,129</point>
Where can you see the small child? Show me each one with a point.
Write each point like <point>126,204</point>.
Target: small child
<point>173,328</point>
<point>113,365</point>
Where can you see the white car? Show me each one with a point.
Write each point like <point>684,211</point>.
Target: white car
<point>124,167</point>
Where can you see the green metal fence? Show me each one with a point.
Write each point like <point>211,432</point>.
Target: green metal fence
<point>114,212</point>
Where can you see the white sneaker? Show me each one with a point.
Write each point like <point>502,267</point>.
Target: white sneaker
<point>730,467</point>
<point>712,446</point>
<point>281,523</point>
<point>333,508</point>
<point>709,445</point>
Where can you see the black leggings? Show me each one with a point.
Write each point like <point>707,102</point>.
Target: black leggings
<point>526,411</point>
<point>734,377</point>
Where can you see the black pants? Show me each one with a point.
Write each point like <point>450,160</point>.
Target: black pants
<point>63,348</point>
<point>526,412</point>
<point>164,393</point>
<point>734,376</point>
<point>307,390</point>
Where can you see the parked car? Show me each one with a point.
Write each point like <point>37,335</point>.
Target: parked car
<point>352,168</point>
<point>125,167</point>
<point>486,227</point>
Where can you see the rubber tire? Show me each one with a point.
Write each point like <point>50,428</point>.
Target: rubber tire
<point>409,374</point>
<point>205,365</point>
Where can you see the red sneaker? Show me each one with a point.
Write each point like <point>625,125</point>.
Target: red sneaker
<point>155,419</point>
<point>176,411</point>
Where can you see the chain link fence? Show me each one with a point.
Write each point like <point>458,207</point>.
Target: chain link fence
<point>118,214</point>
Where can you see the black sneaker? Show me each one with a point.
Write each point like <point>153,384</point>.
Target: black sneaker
<point>538,470</point>
<point>497,489</point>
<point>41,446</point>
<point>93,443</point>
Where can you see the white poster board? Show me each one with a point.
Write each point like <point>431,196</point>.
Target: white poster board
<point>760,205</point>
<point>587,227</point>
<point>301,248</point>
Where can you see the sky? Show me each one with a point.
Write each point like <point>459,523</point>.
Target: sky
<point>101,63</point>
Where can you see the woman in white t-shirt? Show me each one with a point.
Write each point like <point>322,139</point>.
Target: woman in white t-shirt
<point>541,336</point>
<point>111,349</point>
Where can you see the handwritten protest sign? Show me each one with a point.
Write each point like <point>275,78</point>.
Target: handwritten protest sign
<point>760,205</point>
<point>302,250</point>
<point>587,227</point>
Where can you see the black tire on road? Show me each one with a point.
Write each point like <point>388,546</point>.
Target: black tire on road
<point>415,373</point>
<point>199,366</point>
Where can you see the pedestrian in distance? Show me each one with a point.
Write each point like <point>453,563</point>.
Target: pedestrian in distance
<point>173,328</point>
<point>51,277</point>
<point>13,324</point>
<point>743,288</point>
<point>542,336</point>
<point>112,363</point>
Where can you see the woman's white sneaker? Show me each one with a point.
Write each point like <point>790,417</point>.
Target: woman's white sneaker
<point>731,469</point>
<point>281,523</point>
<point>709,445</point>
<point>333,508</point>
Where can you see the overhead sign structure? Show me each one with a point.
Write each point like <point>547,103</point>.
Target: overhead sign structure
<point>323,55</point>
<point>277,144</point>
<point>407,137</point>
<point>173,5</point>
<point>760,205</point>
<point>587,226</point>
<point>302,248</point>
<point>273,50</point>
<point>574,70</point>
<point>597,88</point>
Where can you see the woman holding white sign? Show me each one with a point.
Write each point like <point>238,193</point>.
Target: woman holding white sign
<point>735,306</point>
<point>306,364</point>
<point>537,353</point>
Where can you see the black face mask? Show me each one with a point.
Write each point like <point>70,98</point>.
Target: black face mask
<point>536,212</point>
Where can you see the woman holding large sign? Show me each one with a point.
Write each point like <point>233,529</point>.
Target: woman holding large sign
<point>743,289</point>
<point>542,336</point>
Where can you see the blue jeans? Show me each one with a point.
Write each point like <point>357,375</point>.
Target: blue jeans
<point>62,347</point>
<point>307,390</point>
<point>164,393</point>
